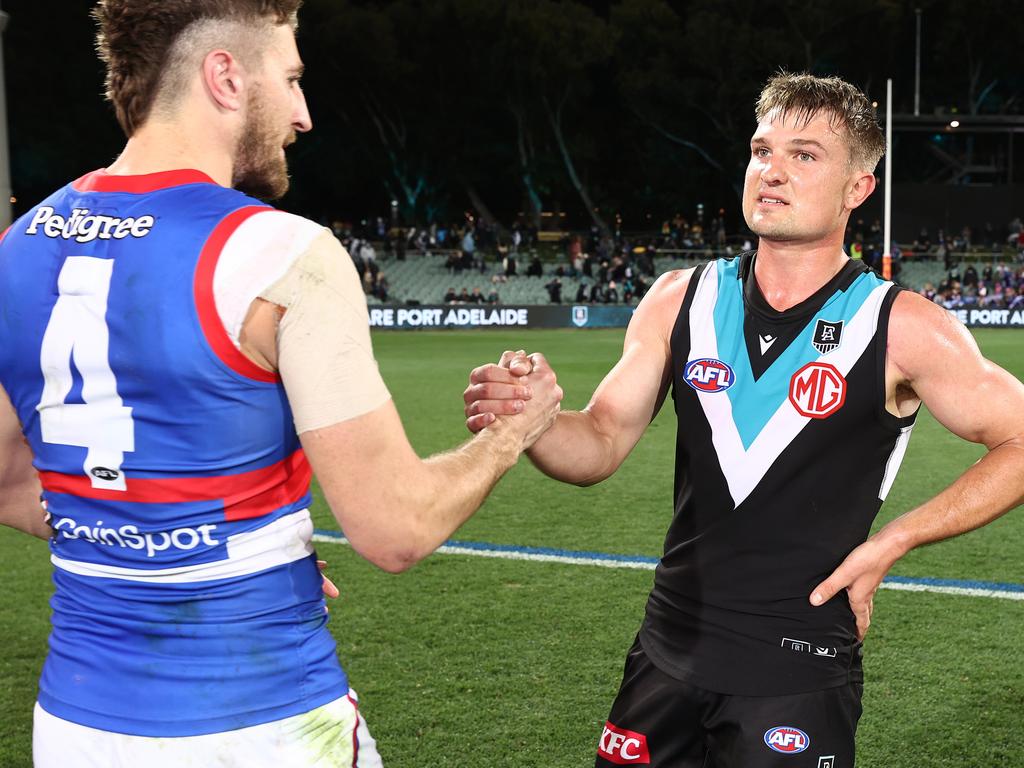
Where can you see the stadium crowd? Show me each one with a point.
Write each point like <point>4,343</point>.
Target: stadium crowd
<point>612,267</point>
<point>994,287</point>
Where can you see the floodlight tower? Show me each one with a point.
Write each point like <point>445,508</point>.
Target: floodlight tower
<point>5,160</point>
<point>887,215</point>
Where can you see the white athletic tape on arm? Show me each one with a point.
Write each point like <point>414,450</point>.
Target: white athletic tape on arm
<point>324,352</point>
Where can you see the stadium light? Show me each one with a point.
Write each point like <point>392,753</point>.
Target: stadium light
<point>954,123</point>
<point>6,198</point>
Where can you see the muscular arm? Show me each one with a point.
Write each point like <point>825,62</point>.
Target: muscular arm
<point>934,359</point>
<point>394,507</point>
<point>585,447</point>
<point>974,399</point>
<point>19,483</point>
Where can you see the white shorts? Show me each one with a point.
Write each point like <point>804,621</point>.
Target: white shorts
<point>332,736</point>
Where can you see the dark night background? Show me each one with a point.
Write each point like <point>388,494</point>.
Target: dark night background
<point>637,108</point>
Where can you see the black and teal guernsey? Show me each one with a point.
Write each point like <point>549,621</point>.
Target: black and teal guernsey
<point>784,454</point>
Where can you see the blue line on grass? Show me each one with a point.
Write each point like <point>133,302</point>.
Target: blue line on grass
<point>961,584</point>
<point>573,554</point>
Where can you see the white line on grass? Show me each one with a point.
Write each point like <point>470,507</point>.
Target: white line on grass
<point>602,560</point>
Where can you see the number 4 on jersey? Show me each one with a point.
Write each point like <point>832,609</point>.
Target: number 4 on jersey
<point>78,327</point>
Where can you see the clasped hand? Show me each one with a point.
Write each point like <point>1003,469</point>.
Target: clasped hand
<point>520,388</point>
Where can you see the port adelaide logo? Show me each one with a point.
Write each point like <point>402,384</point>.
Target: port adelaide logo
<point>827,336</point>
<point>786,739</point>
<point>707,374</point>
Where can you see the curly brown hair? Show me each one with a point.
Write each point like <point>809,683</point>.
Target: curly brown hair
<point>802,96</point>
<point>136,40</point>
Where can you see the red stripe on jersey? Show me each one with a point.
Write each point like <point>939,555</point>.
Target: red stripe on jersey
<point>4,233</point>
<point>245,495</point>
<point>101,181</point>
<point>213,328</point>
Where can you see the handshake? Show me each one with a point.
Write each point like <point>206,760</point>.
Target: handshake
<point>520,392</point>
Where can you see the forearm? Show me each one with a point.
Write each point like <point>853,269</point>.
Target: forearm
<point>394,507</point>
<point>575,450</point>
<point>457,483</point>
<point>20,508</point>
<point>989,489</point>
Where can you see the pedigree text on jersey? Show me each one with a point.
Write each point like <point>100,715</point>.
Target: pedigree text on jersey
<point>84,227</point>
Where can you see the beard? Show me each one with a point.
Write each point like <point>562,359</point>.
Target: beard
<point>260,169</point>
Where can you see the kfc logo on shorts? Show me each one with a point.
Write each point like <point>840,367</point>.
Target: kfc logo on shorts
<point>786,739</point>
<point>709,375</point>
<point>623,747</point>
<point>817,390</point>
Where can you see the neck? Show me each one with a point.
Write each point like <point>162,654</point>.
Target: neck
<point>169,146</point>
<point>788,273</point>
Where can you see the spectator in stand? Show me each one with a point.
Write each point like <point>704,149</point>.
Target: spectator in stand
<point>554,289</point>
<point>970,276</point>
<point>492,297</point>
<point>401,243</point>
<point>468,249</point>
<point>463,297</point>
<point>1014,299</point>
<point>508,264</point>
<point>611,294</point>
<point>628,290</point>
<point>382,287</point>
<point>536,269</point>
<point>587,267</point>
<point>450,297</point>
<point>581,294</point>
<point>476,297</point>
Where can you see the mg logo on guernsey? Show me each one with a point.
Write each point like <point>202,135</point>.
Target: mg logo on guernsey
<point>817,390</point>
<point>623,747</point>
<point>786,739</point>
<point>709,375</point>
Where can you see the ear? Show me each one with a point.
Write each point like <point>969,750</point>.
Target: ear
<point>859,189</point>
<point>224,80</point>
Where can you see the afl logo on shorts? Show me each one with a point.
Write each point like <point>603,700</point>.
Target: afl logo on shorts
<point>786,739</point>
<point>817,390</point>
<point>709,375</point>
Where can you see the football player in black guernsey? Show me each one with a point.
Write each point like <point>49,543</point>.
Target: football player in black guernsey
<point>796,375</point>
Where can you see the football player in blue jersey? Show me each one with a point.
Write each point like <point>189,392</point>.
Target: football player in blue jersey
<point>177,358</point>
<point>787,366</point>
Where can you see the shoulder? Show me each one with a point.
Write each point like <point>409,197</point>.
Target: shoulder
<point>658,310</point>
<point>923,335</point>
<point>268,228</point>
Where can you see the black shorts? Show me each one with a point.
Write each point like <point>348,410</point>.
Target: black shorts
<point>661,722</point>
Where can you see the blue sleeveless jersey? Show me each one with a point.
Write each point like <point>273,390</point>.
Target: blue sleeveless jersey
<point>187,599</point>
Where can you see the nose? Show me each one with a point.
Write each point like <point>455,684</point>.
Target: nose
<point>772,171</point>
<point>301,121</point>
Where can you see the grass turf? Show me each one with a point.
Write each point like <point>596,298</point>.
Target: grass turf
<point>474,662</point>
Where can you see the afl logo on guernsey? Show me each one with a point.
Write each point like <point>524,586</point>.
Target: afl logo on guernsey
<point>817,390</point>
<point>707,374</point>
<point>786,739</point>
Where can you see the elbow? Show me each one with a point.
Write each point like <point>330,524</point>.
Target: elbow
<point>398,561</point>
<point>391,557</point>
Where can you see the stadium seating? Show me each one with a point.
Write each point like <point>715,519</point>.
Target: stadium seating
<point>426,279</point>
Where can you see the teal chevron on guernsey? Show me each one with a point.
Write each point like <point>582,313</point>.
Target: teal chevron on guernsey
<point>967,588</point>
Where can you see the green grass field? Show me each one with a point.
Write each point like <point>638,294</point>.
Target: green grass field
<point>476,662</point>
